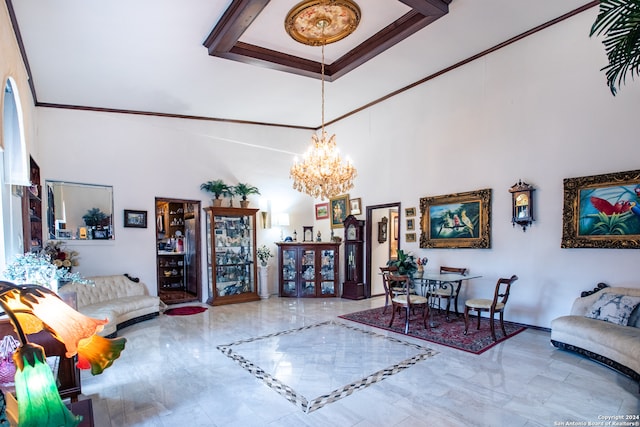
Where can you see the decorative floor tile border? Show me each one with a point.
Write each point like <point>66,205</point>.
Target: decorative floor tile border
<point>311,405</point>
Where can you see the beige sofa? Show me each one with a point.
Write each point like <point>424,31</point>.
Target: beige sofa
<point>615,345</point>
<point>118,298</point>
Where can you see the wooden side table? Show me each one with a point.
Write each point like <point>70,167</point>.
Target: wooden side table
<point>84,408</point>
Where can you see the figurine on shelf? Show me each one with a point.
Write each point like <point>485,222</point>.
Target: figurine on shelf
<point>295,236</point>
<point>319,237</point>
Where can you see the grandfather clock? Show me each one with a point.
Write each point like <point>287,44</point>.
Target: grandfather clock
<point>353,287</point>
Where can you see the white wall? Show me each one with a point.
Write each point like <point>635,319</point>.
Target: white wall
<point>148,157</point>
<point>538,110</point>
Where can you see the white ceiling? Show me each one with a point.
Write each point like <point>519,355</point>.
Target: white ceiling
<point>148,55</point>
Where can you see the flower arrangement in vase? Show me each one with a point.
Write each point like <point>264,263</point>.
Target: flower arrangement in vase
<point>421,263</point>
<point>37,268</point>
<point>264,253</point>
<point>60,257</point>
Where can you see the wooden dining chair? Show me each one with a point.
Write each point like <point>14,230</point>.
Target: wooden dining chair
<point>407,301</point>
<point>389,285</point>
<point>496,305</point>
<point>446,292</point>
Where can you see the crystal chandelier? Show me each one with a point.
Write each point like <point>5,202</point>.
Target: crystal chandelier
<point>322,172</point>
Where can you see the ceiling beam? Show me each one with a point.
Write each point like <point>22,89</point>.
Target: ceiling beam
<point>224,39</point>
<point>428,7</point>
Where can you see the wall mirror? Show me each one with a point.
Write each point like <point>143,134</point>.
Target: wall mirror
<point>79,211</point>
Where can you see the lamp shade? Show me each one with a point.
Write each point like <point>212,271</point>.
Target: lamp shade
<point>283,219</point>
<point>39,404</point>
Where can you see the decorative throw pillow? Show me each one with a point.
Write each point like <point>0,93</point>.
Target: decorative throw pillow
<point>613,308</point>
<point>634,318</point>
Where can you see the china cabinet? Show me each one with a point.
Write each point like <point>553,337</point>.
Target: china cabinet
<point>353,287</point>
<point>231,255</point>
<point>308,269</point>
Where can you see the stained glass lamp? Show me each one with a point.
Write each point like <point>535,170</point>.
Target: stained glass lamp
<point>33,308</point>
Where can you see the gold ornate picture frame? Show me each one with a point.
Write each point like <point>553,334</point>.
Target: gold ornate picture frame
<point>339,210</point>
<point>460,220</point>
<point>602,211</point>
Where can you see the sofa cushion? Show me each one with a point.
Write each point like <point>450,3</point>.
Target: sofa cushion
<point>634,318</point>
<point>613,308</point>
<point>121,306</point>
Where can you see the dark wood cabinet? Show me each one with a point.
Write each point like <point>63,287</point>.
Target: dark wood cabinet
<point>68,374</point>
<point>231,255</point>
<point>308,269</point>
<point>32,210</point>
<point>353,287</point>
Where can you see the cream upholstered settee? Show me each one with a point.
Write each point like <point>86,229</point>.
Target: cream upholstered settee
<point>120,299</point>
<point>584,331</point>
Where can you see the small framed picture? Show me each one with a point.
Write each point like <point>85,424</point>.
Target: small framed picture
<point>64,234</point>
<point>101,234</point>
<point>411,224</point>
<point>354,206</point>
<point>322,211</point>
<point>135,219</point>
<point>410,237</point>
<point>410,212</point>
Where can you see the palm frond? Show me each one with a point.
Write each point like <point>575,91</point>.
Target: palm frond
<point>619,22</point>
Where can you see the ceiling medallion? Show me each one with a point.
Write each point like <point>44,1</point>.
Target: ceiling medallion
<point>320,22</point>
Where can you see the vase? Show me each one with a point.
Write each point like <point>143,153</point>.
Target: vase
<point>264,284</point>
<point>244,203</point>
<point>263,263</point>
<point>216,202</point>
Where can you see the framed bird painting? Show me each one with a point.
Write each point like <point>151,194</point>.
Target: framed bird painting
<point>602,211</point>
<point>460,220</point>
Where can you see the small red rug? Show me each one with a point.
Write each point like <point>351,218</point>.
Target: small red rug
<point>185,311</point>
<point>449,333</point>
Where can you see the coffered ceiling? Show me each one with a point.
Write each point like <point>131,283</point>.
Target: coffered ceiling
<point>233,60</point>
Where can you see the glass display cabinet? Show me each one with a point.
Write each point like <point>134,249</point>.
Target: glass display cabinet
<point>231,255</point>
<point>308,269</point>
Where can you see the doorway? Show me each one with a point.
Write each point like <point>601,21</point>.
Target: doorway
<point>178,250</point>
<point>382,243</point>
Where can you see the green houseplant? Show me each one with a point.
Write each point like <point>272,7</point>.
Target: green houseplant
<point>243,190</point>
<point>218,188</point>
<point>94,217</point>
<point>619,21</point>
<point>405,263</point>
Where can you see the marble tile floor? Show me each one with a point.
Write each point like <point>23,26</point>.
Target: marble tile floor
<point>174,372</point>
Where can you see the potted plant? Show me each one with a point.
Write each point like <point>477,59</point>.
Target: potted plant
<point>94,217</point>
<point>244,190</point>
<point>406,263</point>
<point>619,22</point>
<point>216,187</point>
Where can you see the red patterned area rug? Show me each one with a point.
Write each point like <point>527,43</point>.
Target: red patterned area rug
<point>185,311</point>
<point>449,333</point>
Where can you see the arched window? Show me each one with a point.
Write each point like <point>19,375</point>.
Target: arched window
<point>14,173</point>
